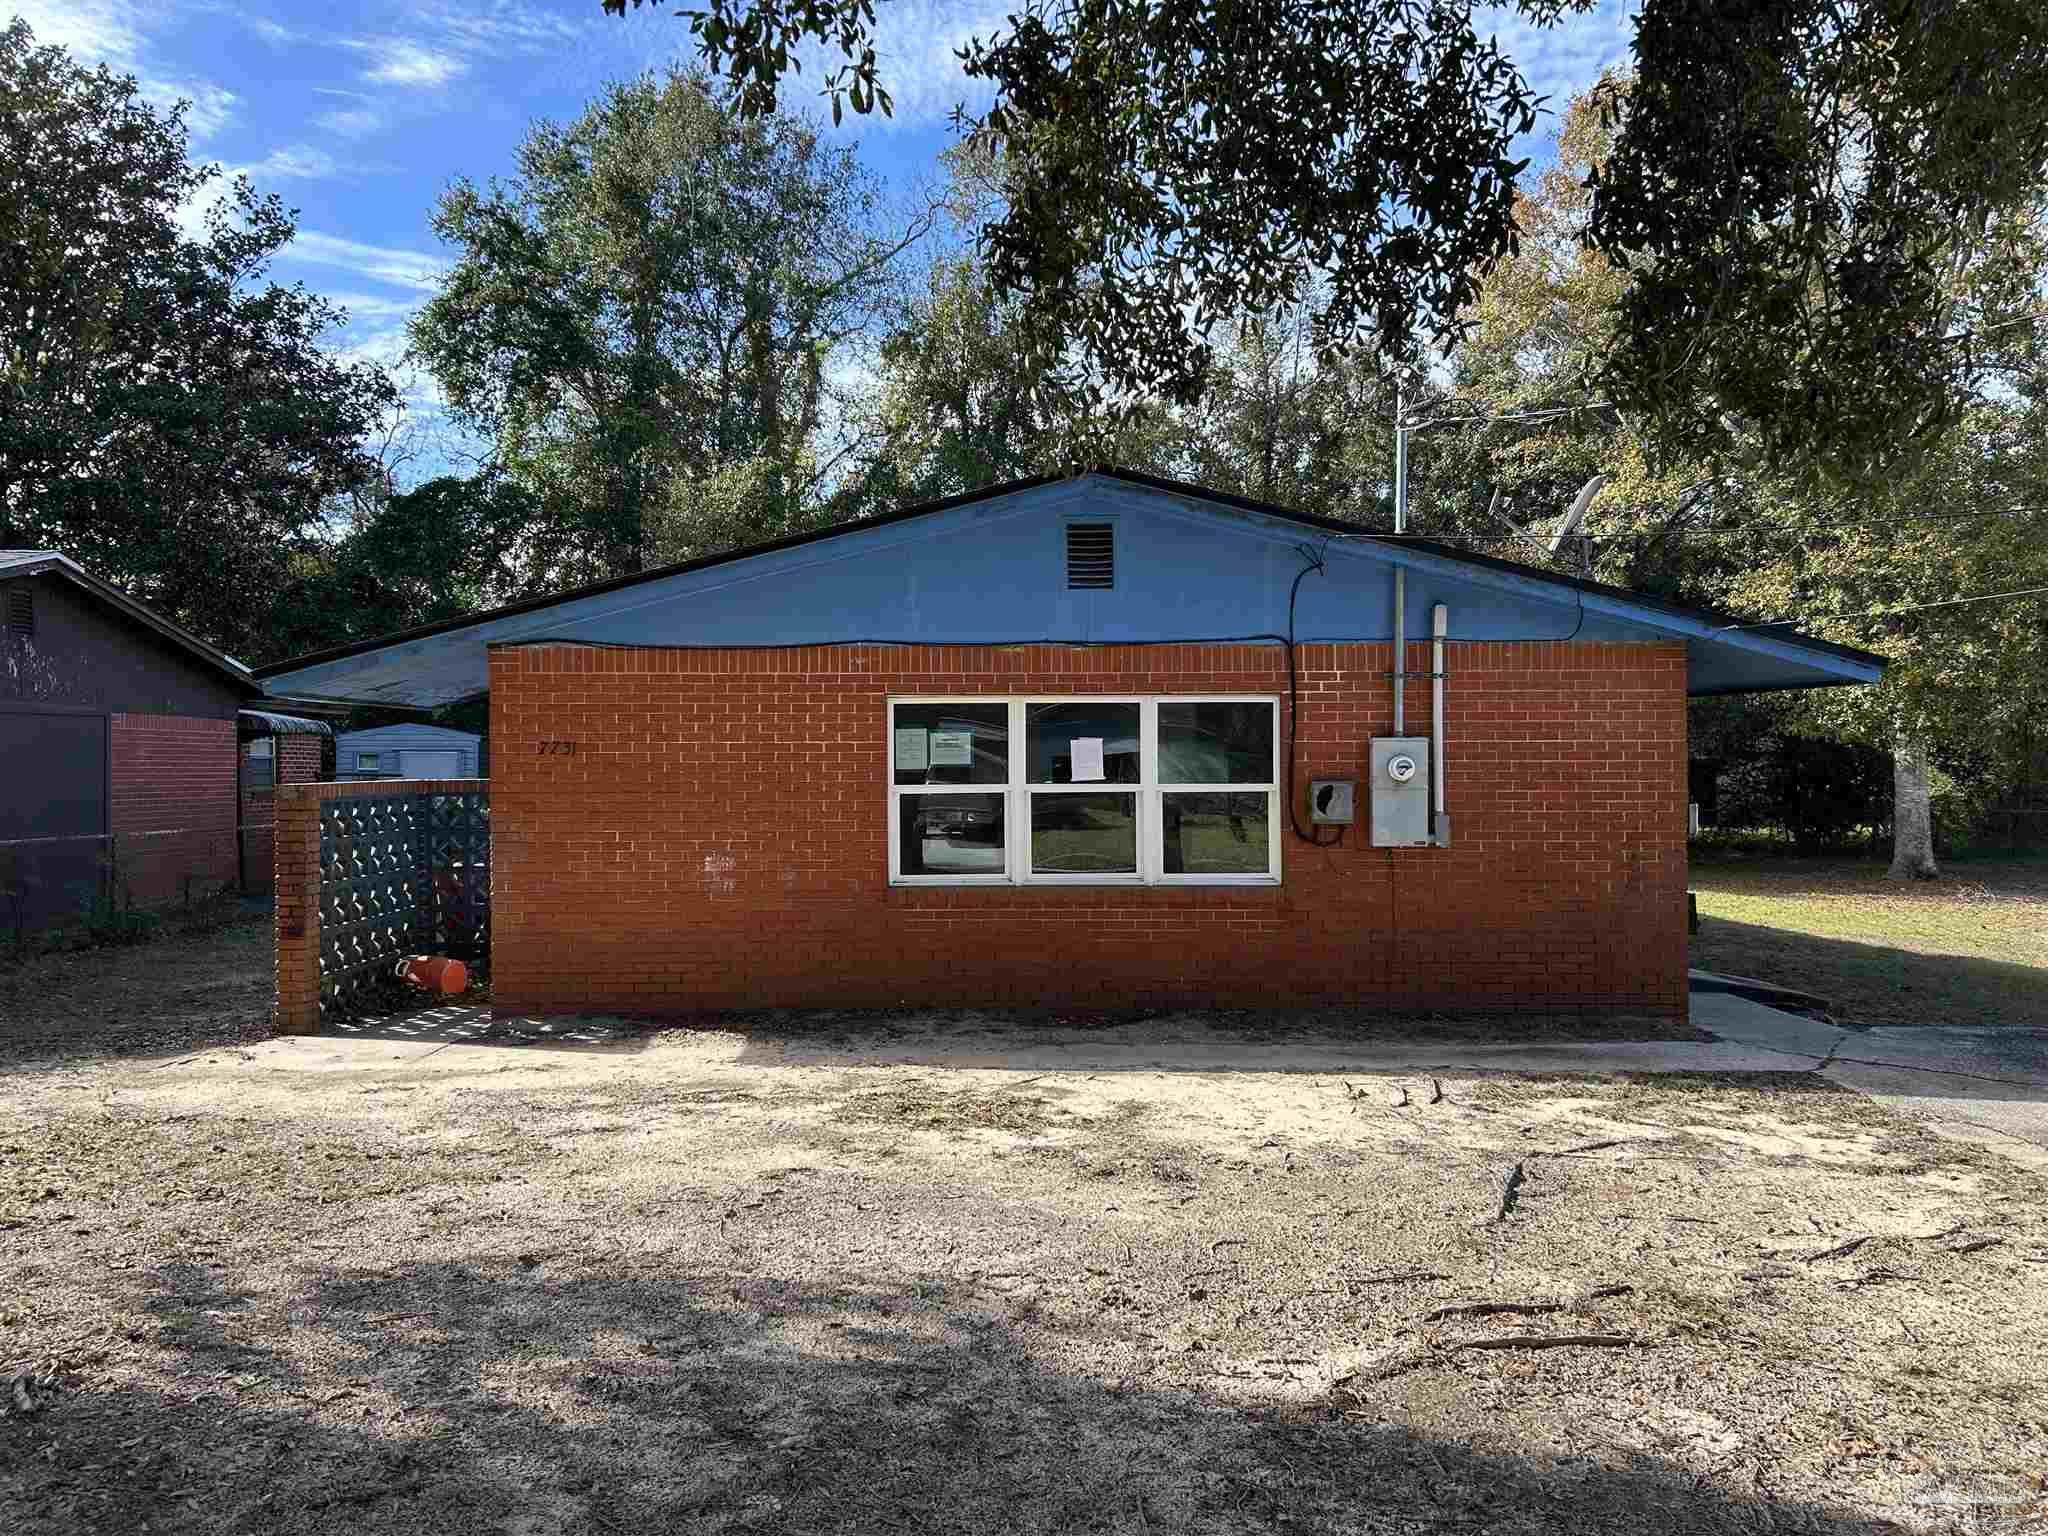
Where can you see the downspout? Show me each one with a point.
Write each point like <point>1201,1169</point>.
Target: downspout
<point>1400,652</point>
<point>1400,574</point>
<point>1439,820</point>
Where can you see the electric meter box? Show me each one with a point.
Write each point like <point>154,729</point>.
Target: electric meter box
<point>1400,791</point>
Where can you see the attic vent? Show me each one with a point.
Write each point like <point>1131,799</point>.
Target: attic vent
<point>21,612</point>
<point>1091,555</point>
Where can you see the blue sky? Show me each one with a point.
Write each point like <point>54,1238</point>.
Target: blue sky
<point>359,115</point>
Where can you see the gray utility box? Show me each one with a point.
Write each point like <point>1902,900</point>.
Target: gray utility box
<point>1400,791</point>
<point>1331,801</point>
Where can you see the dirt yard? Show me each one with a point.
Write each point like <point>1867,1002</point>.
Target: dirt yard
<point>963,1276</point>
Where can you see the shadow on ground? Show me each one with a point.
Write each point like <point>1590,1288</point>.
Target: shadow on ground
<point>474,1024</point>
<point>492,1395</point>
<point>1872,984</point>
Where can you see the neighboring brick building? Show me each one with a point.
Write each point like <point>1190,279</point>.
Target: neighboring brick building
<point>117,747</point>
<point>276,749</point>
<point>1033,746</point>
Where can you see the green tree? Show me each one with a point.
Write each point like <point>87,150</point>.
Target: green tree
<point>167,417</point>
<point>965,400</point>
<point>1787,184</point>
<point>645,321</point>
<point>1860,565</point>
<point>1279,423</point>
<point>443,549</point>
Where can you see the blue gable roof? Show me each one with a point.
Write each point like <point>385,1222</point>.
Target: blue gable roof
<point>991,568</point>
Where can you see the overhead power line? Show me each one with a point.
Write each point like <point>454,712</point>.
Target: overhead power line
<point>1872,613</point>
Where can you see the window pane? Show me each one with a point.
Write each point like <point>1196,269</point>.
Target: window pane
<point>1082,834</point>
<point>1066,740</point>
<point>951,835</point>
<point>951,743</point>
<point>1215,743</point>
<point>1217,834</point>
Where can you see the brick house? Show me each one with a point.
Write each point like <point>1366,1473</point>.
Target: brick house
<point>117,747</point>
<point>1093,740</point>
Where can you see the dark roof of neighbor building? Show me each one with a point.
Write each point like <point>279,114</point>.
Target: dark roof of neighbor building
<point>266,722</point>
<point>22,564</point>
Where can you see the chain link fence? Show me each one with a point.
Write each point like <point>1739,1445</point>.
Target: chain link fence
<point>106,881</point>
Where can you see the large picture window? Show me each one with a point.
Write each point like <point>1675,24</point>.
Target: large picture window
<point>1153,791</point>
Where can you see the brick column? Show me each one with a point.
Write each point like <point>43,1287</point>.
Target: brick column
<point>296,859</point>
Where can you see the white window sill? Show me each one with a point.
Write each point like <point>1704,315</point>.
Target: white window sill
<point>1045,881</point>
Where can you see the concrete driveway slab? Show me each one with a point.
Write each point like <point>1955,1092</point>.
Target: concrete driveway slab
<point>1746,1022</point>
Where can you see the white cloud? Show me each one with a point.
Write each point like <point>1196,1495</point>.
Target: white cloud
<point>379,263</point>
<point>505,27</point>
<point>295,162</point>
<point>1562,60</point>
<point>91,31</point>
<point>208,108</point>
<point>351,122</point>
<point>364,307</point>
<point>97,32</point>
<point>403,61</point>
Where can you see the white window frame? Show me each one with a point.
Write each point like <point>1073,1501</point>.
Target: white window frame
<point>1016,792</point>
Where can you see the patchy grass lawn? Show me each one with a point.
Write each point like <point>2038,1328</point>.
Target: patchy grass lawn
<point>977,1277</point>
<point>1970,948</point>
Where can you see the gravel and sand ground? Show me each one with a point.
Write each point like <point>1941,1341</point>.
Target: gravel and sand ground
<point>965,1274</point>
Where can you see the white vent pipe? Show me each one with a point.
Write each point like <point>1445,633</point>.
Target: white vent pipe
<point>1440,821</point>
<point>1400,652</point>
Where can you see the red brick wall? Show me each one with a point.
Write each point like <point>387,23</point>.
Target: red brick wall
<point>294,760</point>
<point>172,807</point>
<point>719,838</point>
<point>298,759</point>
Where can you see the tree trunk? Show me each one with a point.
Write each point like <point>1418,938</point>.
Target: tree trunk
<point>1912,815</point>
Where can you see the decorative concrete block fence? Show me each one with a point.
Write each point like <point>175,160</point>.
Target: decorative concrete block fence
<point>368,873</point>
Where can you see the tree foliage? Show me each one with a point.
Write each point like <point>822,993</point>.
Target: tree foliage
<point>644,320</point>
<point>964,400</point>
<point>1880,565</point>
<point>1792,183</point>
<point>447,547</point>
<point>167,417</point>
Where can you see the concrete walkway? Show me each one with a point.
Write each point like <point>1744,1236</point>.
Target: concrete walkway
<point>1982,1085</point>
<point>1988,1086</point>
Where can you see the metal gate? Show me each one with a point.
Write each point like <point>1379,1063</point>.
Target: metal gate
<point>53,815</point>
<point>400,874</point>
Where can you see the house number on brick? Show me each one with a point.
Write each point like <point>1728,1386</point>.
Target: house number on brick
<point>558,749</point>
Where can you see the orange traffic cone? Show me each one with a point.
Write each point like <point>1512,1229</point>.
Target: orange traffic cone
<point>436,974</point>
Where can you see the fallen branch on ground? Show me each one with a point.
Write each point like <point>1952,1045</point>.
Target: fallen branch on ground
<point>1524,1308</point>
<point>1979,1244</point>
<point>1403,1274</point>
<point>1553,1341</point>
<point>1838,1251</point>
<point>1508,1192</point>
<point>1415,1359</point>
<point>1386,1370</point>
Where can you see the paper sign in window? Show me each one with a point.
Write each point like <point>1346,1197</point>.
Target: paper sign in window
<point>952,749</point>
<point>911,755</point>
<point>1087,759</point>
